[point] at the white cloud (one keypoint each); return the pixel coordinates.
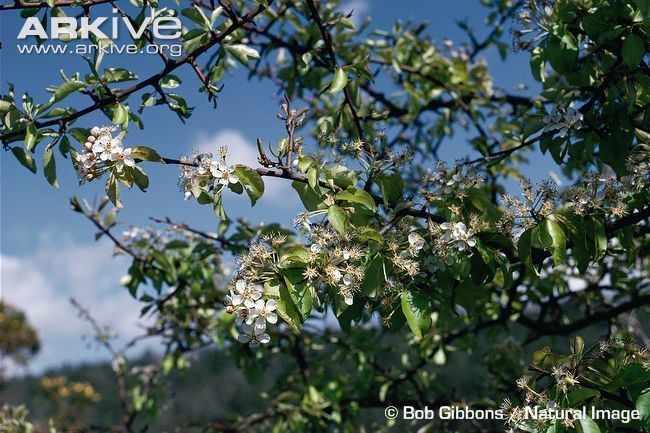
(41, 283)
(241, 150)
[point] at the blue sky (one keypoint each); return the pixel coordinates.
(47, 251)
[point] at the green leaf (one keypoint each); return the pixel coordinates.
(64, 146)
(581, 394)
(117, 75)
(479, 270)
(370, 234)
(633, 50)
(339, 81)
(113, 190)
(643, 405)
(374, 276)
(170, 82)
(5, 106)
(287, 309)
(140, 178)
(563, 53)
(417, 309)
(300, 293)
(600, 238)
(30, 137)
(304, 163)
(391, 186)
(24, 158)
(49, 167)
(242, 53)
(358, 196)
(196, 14)
(120, 115)
(237, 188)
(145, 153)
(557, 245)
(309, 198)
(524, 247)
(313, 175)
(65, 89)
(337, 218)
(587, 425)
(252, 182)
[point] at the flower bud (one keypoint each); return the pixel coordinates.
(91, 139)
(95, 131)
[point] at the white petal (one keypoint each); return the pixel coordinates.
(264, 338)
(243, 338)
(254, 344)
(271, 305)
(272, 318)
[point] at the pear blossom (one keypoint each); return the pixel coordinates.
(102, 151)
(222, 173)
(246, 294)
(416, 242)
(264, 311)
(253, 335)
(124, 158)
(458, 234)
(563, 120)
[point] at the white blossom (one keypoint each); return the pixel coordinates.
(458, 234)
(416, 242)
(253, 335)
(563, 120)
(223, 173)
(264, 311)
(124, 158)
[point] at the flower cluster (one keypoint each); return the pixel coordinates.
(638, 171)
(203, 173)
(143, 240)
(563, 120)
(458, 235)
(443, 182)
(451, 238)
(534, 20)
(102, 152)
(334, 261)
(253, 312)
(404, 255)
(60, 387)
(537, 202)
(597, 193)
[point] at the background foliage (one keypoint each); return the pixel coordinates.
(400, 261)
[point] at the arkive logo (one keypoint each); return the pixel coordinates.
(68, 28)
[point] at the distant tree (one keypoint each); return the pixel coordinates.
(422, 263)
(18, 339)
